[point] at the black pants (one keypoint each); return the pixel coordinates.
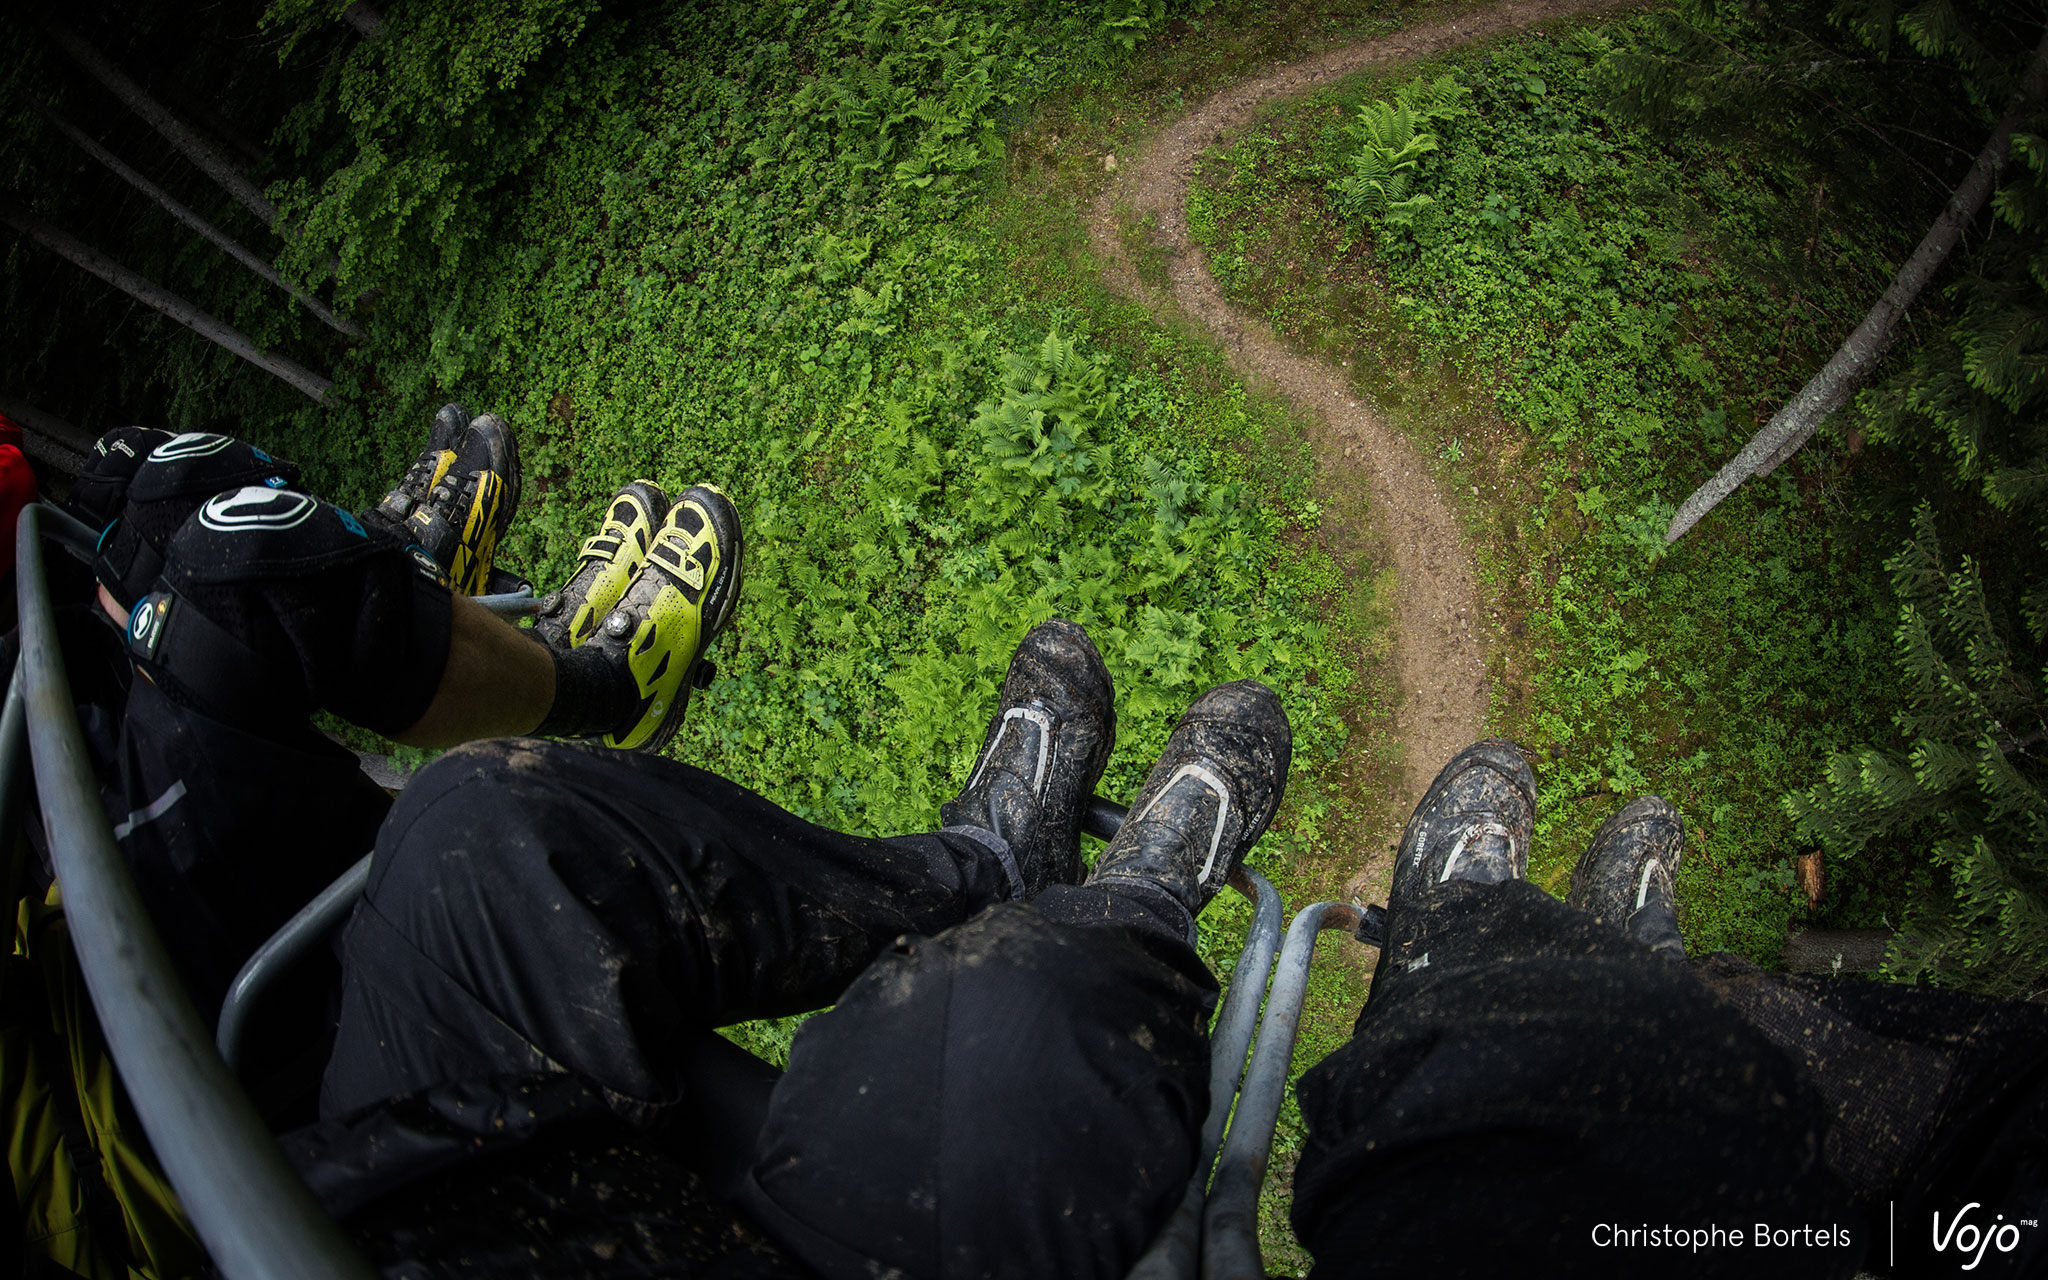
(233, 812)
(230, 832)
(1001, 1089)
(1530, 1092)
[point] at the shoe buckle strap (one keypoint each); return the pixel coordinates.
(601, 546)
(677, 561)
(441, 463)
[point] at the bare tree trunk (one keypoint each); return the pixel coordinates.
(1853, 364)
(226, 243)
(175, 131)
(150, 294)
(48, 437)
(365, 19)
(247, 152)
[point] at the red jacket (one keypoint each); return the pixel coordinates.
(17, 487)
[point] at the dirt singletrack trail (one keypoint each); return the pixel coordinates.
(1439, 656)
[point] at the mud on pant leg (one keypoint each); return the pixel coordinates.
(1020, 1095)
(1531, 1074)
(1938, 1100)
(541, 906)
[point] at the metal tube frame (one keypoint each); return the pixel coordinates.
(14, 767)
(247, 1204)
(512, 604)
(277, 957)
(70, 533)
(1176, 1250)
(1230, 1228)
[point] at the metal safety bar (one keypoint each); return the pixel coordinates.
(281, 954)
(1177, 1248)
(248, 1206)
(1230, 1230)
(13, 780)
(70, 533)
(512, 604)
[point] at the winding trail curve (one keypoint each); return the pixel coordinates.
(1439, 656)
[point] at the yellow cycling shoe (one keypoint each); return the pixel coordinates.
(457, 500)
(611, 559)
(682, 598)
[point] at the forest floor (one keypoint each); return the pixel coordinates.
(1439, 653)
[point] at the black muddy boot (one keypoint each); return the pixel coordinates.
(1474, 825)
(1207, 801)
(1628, 874)
(1041, 759)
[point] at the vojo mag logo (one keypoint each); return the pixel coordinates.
(1967, 1238)
(254, 507)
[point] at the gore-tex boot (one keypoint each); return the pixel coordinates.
(1209, 798)
(1473, 824)
(1628, 874)
(1040, 760)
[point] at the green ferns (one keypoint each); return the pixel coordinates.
(1973, 784)
(1038, 431)
(913, 103)
(1391, 142)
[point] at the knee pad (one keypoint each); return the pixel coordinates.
(101, 490)
(162, 492)
(272, 603)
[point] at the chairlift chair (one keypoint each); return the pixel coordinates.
(249, 1207)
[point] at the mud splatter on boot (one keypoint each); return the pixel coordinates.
(1628, 874)
(1041, 758)
(1208, 800)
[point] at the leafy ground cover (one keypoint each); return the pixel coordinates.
(732, 263)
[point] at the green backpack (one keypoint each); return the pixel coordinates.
(89, 1196)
